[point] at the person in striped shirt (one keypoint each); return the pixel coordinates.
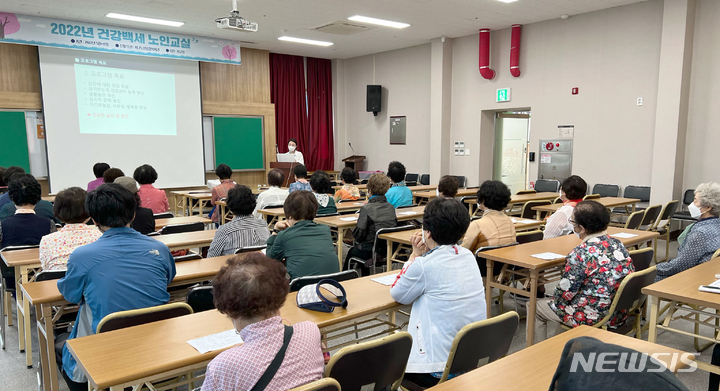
(244, 230)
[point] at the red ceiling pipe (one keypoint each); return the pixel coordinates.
(515, 50)
(484, 55)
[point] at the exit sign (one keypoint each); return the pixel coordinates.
(503, 95)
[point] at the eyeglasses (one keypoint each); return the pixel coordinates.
(571, 221)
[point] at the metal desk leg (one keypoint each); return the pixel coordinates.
(23, 316)
(341, 234)
(530, 332)
(46, 338)
(654, 313)
(389, 255)
(488, 289)
(184, 205)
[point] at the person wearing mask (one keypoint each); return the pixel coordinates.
(274, 196)
(376, 214)
(348, 191)
(448, 187)
(144, 221)
(703, 239)
(322, 188)
(219, 192)
(98, 169)
(122, 270)
(243, 230)
(592, 274)
(301, 182)
(292, 150)
(250, 290)
(305, 245)
(572, 191)
(55, 248)
(399, 194)
(150, 197)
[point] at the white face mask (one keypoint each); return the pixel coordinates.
(291, 148)
(437, 192)
(695, 212)
(422, 230)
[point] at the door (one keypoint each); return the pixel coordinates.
(511, 143)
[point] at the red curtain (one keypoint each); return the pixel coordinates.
(287, 92)
(320, 155)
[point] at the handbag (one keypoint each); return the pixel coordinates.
(310, 297)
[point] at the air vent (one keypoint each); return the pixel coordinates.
(341, 28)
(248, 42)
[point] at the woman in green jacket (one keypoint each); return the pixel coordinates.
(305, 245)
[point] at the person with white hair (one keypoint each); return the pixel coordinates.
(704, 237)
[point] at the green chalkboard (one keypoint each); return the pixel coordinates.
(13, 137)
(239, 142)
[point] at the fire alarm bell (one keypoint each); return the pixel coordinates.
(575, 91)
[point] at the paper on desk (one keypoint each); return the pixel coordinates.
(386, 280)
(623, 235)
(548, 256)
(408, 213)
(711, 288)
(353, 218)
(217, 341)
(524, 221)
(264, 251)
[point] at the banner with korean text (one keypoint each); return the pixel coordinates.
(32, 30)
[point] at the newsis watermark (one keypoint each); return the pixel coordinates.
(631, 362)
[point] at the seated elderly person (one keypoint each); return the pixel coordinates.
(572, 191)
(144, 221)
(301, 182)
(305, 245)
(593, 272)
(55, 248)
(244, 230)
(273, 196)
(442, 282)
(322, 188)
(24, 227)
(447, 187)
(494, 228)
(703, 239)
(348, 191)
(250, 290)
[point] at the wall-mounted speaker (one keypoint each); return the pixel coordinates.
(374, 99)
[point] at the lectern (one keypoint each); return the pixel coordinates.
(287, 169)
(355, 162)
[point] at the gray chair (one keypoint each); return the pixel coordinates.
(123, 319)
(164, 215)
(606, 190)
(650, 218)
(634, 220)
(523, 192)
(411, 179)
(667, 215)
(547, 185)
(326, 384)
(250, 249)
(425, 179)
(47, 275)
(527, 211)
(529, 236)
(486, 339)
(379, 250)
(180, 228)
(200, 298)
(380, 362)
(592, 197)
(684, 214)
(298, 283)
(462, 180)
(640, 192)
(642, 258)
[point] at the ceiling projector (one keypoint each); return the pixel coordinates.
(236, 22)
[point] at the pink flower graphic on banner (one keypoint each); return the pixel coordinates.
(229, 52)
(9, 24)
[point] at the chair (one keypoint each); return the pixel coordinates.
(650, 218)
(547, 185)
(7, 290)
(592, 197)
(357, 200)
(606, 190)
(523, 192)
(528, 212)
(411, 179)
(667, 215)
(326, 384)
(364, 182)
(189, 257)
(425, 179)
(380, 362)
(462, 180)
(407, 206)
(180, 228)
(487, 339)
(250, 249)
(328, 214)
(640, 192)
(629, 297)
(529, 236)
(557, 200)
(642, 258)
(379, 248)
(164, 215)
(47, 275)
(300, 282)
(200, 298)
(683, 214)
(122, 319)
(634, 220)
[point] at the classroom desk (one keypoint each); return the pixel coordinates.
(226, 214)
(334, 175)
(49, 198)
(402, 214)
(533, 368)
(278, 214)
(188, 200)
(45, 295)
(681, 290)
(422, 196)
(539, 270)
(161, 223)
(26, 261)
(516, 200)
(402, 238)
(159, 350)
(608, 202)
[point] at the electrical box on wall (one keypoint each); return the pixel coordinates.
(555, 159)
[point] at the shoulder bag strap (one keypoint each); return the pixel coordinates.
(276, 362)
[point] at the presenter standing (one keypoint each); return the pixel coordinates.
(292, 148)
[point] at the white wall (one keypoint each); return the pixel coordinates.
(703, 138)
(611, 55)
(405, 77)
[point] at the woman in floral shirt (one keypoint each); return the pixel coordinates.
(593, 272)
